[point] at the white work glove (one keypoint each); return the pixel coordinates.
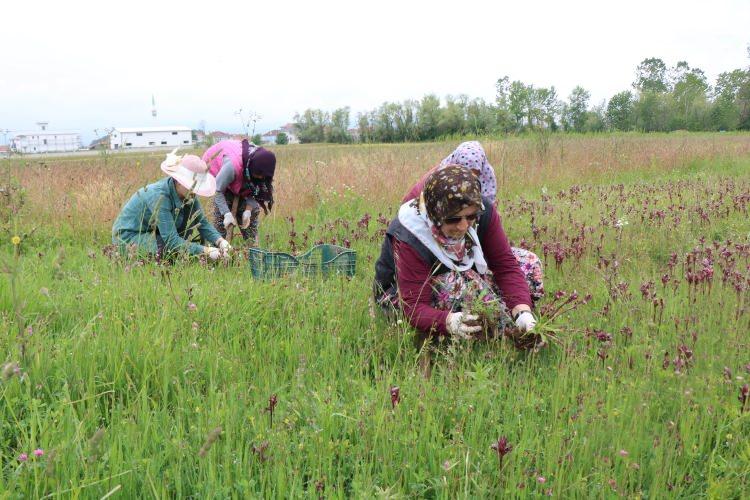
(247, 216)
(525, 321)
(224, 247)
(213, 253)
(456, 324)
(229, 219)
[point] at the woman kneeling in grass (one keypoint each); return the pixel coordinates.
(445, 254)
(162, 219)
(470, 154)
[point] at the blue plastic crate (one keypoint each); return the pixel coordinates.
(320, 260)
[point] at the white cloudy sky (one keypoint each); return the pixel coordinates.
(85, 65)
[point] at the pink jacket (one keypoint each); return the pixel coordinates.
(232, 149)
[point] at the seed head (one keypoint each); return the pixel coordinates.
(210, 440)
(395, 396)
(744, 393)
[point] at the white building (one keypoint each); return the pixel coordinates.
(271, 136)
(45, 141)
(150, 137)
(291, 132)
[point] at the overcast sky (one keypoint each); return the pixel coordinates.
(83, 65)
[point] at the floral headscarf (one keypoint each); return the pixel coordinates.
(470, 154)
(447, 192)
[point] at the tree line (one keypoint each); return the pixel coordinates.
(662, 99)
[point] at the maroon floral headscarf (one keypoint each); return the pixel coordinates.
(446, 192)
(449, 190)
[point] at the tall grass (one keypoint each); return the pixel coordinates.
(142, 380)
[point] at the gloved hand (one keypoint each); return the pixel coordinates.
(213, 253)
(229, 219)
(224, 247)
(457, 324)
(246, 218)
(525, 321)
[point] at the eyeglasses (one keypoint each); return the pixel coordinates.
(471, 218)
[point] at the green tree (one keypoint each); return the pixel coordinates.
(338, 129)
(731, 96)
(453, 116)
(549, 106)
(652, 112)
(405, 120)
(620, 110)
(282, 138)
(311, 125)
(382, 119)
(651, 76)
(578, 102)
(518, 102)
(363, 125)
(689, 87)
(428, 116)
(595, 118)
(504, 119)
(481, 117)
(256, 139)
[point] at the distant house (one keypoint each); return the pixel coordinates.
(4, 150)
(45, 141)
(270, 136)
(217, 136)
(150, 137)
(288, 129)
(291, 132)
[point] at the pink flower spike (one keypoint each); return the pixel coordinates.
(624, 453)
(23, 457)
(541, 479)
(192, 307)
(38, 452)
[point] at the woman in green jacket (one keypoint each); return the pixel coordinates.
(164, 218)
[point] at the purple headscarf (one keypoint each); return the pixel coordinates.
(470, 154)
(258, 161)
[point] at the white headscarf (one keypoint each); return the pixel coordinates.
(413, 217)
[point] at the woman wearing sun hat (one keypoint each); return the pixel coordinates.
(244, 185)
(435, 263)
(164, 218)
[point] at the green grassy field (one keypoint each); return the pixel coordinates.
(139, 380)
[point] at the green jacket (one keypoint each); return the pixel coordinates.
(157, 206)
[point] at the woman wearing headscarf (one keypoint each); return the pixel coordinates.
(435, 263)
(244, 179)
(470, 154)
(163, 218)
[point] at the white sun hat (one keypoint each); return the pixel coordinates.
(191, 172)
